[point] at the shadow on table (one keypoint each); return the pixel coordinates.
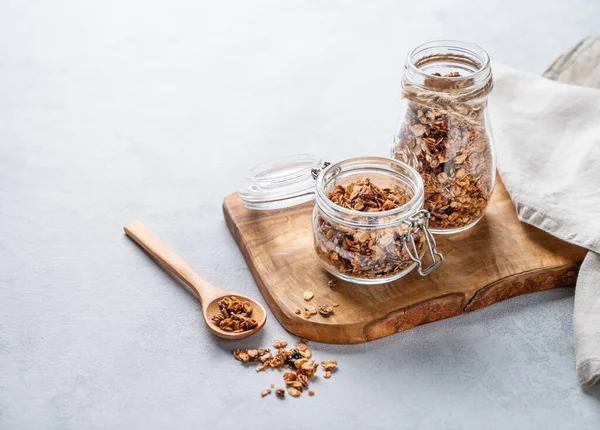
(593, 391)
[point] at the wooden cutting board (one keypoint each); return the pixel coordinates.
(497, 259)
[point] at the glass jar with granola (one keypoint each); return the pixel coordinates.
(445, 133)
(368, 222)
(369, 225)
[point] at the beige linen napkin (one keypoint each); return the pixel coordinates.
(547, 137)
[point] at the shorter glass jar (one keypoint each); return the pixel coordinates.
(356, 246)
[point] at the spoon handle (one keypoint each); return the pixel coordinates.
(170, 261)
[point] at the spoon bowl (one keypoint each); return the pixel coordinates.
(208, 294)
(212, 308)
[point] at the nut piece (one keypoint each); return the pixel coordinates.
(302, 345)
(308, 294)
(298, 311)
(294, 392)
(302, 378)
(279, 344)
(311, 309)
(326, 374)
(280, 393)
(241, 355)
(298, 363)
(309, 368)
(289, 377)
(325, 310)
(311, 393)
(306, 353)
(297, 385)
(265, 393)
(329, 364)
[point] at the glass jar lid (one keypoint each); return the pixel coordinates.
(282, 182)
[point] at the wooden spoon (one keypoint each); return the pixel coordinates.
(208, 294)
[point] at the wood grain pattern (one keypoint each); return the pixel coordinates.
(497, 259)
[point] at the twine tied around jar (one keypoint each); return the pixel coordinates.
(452, 96)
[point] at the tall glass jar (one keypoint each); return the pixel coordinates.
(445, 133)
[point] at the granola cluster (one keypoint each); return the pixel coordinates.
(364, 252)
(451, 150)
(234, 315)
(365, 196)
(296, 359)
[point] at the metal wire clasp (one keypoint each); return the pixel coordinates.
(315, 172)
(416, 223)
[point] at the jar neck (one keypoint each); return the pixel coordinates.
(449, 66)
(394, 171)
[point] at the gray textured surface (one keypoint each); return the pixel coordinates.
(120, 110)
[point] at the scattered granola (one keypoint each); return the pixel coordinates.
(325, 310)
(234, 315)
(450, 147)
(306, 314)
(332, 283)
(335, 305)
(296, 359)
(308, 294)
(360, 251)
(298, 311)
(311, 393)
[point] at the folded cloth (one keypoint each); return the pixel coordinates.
(547, 138)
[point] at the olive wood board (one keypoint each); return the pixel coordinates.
(497, 259)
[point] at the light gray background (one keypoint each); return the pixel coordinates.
(118, 110)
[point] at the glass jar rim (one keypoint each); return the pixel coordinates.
(365, 219)
(482, 74)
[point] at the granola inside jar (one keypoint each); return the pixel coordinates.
(369, 225)
(445, 132)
